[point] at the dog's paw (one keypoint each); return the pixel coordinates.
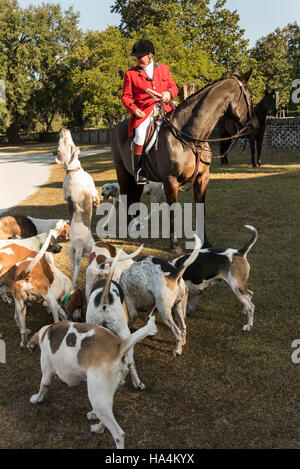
(96, 201)
(91, 415)
(98, 428)
(246, 327)
(35, 399)
(140, 386)
(177, 351)
(24, 340)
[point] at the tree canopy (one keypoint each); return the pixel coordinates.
(53, 72)
(35, 44)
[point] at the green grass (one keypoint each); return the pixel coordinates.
(229, 389)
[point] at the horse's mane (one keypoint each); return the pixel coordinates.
(187, 102)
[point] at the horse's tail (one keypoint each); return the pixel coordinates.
(192, 257)
(244, 250)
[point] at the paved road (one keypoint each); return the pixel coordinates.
(21, 174)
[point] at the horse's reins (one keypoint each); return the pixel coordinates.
(192, 142)
(183, 136)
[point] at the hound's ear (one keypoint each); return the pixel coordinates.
(75, 152)
(245, 76)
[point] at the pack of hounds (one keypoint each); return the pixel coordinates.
(90, 339)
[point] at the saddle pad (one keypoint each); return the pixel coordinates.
(153, 138)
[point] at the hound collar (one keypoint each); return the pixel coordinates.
(41, 244)
(63, 302)
(73, 170)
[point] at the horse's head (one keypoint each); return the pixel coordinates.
(241, 107)
(270, 103)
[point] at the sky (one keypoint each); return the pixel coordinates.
(257, 17)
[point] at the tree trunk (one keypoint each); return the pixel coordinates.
(12, 132)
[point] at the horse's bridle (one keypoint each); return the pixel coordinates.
(184, 138)
(244, 93)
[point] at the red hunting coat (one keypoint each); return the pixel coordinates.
(134, 91)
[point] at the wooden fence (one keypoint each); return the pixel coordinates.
(283, 133)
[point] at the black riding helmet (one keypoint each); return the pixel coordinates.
(142, 47)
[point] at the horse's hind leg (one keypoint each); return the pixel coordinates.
(200, 188)
(259, 141)
(171, 187)
(252, 147)
(223, 149)
(128, 186)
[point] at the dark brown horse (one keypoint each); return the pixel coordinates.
(174, 154)
(227, 127)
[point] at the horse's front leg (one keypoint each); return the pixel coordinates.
(252, 147)
(128, 187)
(223, 149)
(171, 187)
(259, 141)
(200, 188)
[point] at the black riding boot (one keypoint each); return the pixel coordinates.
(140, 178)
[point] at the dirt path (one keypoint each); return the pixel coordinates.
(21, 174)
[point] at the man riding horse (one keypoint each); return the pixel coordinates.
(147, 74)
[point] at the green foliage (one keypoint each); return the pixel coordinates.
(223, 37)
(292, 34)
(54, 34)
(34, 47)
(55, 74)
(98, 66)
(188, 64)
(272, 55)
(102, 58)
(215, 31)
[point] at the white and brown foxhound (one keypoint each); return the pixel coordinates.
(77, 352)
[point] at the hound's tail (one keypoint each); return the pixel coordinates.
(192, 257)
(41, 253)
(124, 257)
(244, 251)
(140, 334)
(37, 339)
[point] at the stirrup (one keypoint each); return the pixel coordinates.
(140, 178)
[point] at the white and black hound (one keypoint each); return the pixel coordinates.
(213, 265)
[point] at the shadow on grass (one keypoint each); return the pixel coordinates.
(40, 211)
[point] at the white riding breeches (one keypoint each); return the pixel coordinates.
(141, 131)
